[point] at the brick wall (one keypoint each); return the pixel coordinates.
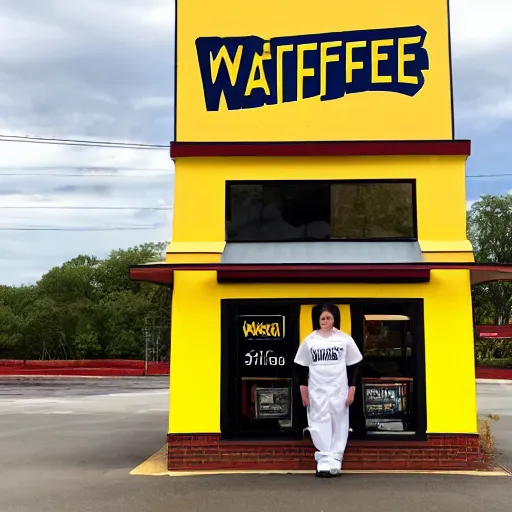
(208, 452)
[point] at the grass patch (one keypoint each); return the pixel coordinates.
(487, 441)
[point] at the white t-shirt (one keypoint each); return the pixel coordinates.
(328, 358)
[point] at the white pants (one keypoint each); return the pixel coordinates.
(329, 427)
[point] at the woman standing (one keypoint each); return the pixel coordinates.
(322, 361)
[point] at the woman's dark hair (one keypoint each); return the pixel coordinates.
(319, 309)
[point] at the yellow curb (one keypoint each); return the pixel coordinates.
(156, 465)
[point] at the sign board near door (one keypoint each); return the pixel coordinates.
(262, 327)
(262, 347)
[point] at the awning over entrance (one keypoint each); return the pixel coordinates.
(488, 273)
(288, 273)
(163, 273)
(335, 252)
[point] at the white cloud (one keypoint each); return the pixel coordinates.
(490, 108)
(104, 70)
(482, 63)
(38, 184)
(153, 102)
(479, 27)
(90, 70)
(469, 204)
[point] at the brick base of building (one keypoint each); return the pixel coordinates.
(202, 452)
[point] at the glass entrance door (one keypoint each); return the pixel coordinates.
(260, 393)
(390, 390)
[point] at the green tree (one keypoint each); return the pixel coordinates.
(113, 271)
(86, 308)
(490, 232)
(15, 342)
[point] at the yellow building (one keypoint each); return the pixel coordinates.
(315, 162)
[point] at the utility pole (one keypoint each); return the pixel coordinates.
(157, 358)
(146, 338)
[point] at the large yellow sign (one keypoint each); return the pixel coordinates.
(297, 70)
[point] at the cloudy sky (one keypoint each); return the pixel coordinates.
(103, 70)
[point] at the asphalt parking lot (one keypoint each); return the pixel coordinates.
(69, 445)
(496, 399)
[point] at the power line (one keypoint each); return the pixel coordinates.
(50, 228)
(487, 175)
(32, 207)
(112, 146)
(79, 142)
(120, 175)
(121, 145)
(131, 145)
(84, 171)
(53, 168)
(45, 174)
(57, 139)
(158, 173)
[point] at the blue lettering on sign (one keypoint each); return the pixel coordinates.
(252, 72)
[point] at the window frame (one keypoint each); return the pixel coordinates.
(410, 181)
(416, 307)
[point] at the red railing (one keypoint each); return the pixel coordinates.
(92, 367)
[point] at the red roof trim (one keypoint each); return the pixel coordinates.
(308, 275)
(384, 273)
(321, 148)
(163, 273)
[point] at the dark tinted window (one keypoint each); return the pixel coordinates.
(319, 210)
(372, 210)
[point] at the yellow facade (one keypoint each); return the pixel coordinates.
(440, 191)
(450, 374)
(450, 377)
(393, 83)
(396, 54)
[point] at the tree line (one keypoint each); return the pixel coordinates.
(89, 308)
(489, 222)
